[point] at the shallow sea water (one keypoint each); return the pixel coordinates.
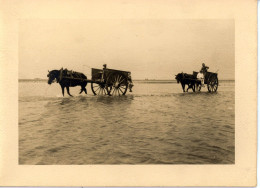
(156, 124)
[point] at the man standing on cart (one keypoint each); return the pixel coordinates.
(202, 73)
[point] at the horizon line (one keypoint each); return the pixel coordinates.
(41, 79)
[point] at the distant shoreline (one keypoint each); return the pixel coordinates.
(137, 81)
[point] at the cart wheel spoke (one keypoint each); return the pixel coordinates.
(118, 82)
(123, 86)
(113, 91)
(118, 78)
(213, 83)
(121, 90)
(122, 81)
(98, 89)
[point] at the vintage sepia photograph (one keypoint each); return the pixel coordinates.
(126, 91)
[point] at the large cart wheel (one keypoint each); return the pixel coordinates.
(213, 84)
(99, 89)
(117, 84)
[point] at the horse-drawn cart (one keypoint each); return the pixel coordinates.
(210, 79)
(103, 82)
(110, 81)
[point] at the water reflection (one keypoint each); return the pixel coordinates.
(183, 127)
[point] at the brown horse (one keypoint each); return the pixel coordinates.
(68, 79)
(187, 79)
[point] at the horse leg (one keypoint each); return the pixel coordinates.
(81, 90)
(85, 89)
(62, 89)
(188, 87)
(68, 91)
(193, 87)
(183, 87)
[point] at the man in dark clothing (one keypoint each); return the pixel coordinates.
(204, 69)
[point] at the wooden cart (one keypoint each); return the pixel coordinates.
(106, 81)
(110, 82)
(211, 79)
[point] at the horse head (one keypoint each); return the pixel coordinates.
(52, 75)
(179, 77)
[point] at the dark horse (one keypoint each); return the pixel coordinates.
(68, 79)
(186, 79)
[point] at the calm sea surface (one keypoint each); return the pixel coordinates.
(156, 124)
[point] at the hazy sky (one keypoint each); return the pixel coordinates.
(149, 48)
